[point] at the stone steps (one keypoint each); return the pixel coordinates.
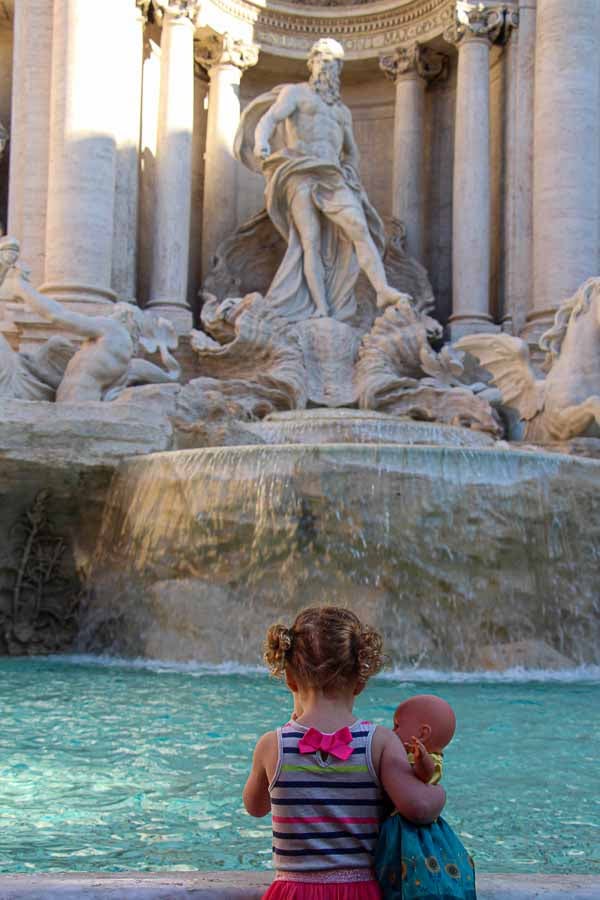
(251, 886)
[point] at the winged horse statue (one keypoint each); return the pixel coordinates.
(566, 403)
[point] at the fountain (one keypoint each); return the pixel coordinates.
(329, 447)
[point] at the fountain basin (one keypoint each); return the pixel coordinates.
(451, 552)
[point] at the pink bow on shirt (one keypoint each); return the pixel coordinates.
(335, 744)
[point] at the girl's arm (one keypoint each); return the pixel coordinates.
(419, 803)
(256, 792)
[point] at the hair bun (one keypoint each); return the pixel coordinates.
(277, 644)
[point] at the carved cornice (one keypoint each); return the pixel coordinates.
(481, 20)
(225, 51)
(365, 31)
(414, 60)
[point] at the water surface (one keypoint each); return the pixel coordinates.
(110, 767)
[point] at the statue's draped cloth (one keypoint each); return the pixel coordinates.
(334, 189)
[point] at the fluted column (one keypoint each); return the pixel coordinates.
(171, 243)
(30, 124)
(81, 176)
(129, 37)
(225, 63)
(411, 68)
(477, 25)
(566, 209)
(518, 219)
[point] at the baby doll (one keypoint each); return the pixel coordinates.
(428, 861)
(425, 724)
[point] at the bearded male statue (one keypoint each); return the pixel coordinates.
(300, 137)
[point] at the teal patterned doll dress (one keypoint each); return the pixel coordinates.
(422, 862)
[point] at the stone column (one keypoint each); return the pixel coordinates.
(129, 37)
(171, 243)
(30, 124)
(566, 152)
(81, 178)
(476, 27)
(225, 63)
(411, 68)
(518, 220)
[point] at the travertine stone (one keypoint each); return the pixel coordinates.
(566, 211)
(129, 37)
(518, 220)
(30, 124)
(81, 178)
(225, 60)
(411, 68)
(173, 170)
(476, 26)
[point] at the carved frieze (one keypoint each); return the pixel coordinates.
(363, 33)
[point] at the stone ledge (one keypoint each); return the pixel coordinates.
(251, 886)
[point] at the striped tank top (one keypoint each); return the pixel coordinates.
(325, 811)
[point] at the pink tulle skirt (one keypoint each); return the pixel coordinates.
(323, 890)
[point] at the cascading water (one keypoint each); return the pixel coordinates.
(446, 549)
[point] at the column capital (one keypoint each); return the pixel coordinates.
(480, 21)
(226, 50)
(414, 60)
(173, 9)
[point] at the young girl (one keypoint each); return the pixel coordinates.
(323, 775)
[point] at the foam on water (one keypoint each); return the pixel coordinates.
(405, 675)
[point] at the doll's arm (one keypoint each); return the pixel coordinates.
(424, 765)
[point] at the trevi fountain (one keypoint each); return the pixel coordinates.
(300, 303)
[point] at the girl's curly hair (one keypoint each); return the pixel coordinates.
(327, 647)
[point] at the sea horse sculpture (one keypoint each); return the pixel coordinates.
(565, 404)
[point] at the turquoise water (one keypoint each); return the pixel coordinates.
(112, 767)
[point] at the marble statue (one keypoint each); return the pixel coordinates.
(29, 376)
(106, 362)
(565, 404)
(300, 137)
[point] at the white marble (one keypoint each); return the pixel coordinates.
(566, 211)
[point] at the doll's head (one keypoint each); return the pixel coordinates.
(327, 648)
(428, 718)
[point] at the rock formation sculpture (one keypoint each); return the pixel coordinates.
(107, 362)
(565, 404)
